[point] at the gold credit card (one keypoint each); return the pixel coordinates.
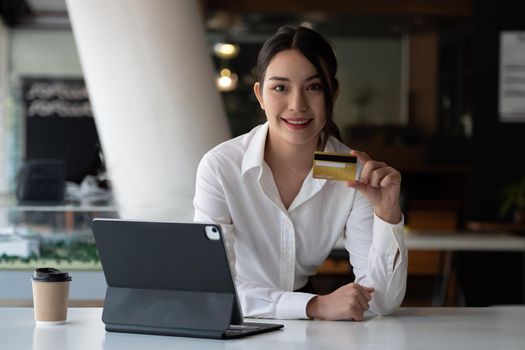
(335, 166)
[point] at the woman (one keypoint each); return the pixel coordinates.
(279, 222)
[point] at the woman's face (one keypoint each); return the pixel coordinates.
(292, 98)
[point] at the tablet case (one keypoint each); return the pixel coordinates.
(167, 278)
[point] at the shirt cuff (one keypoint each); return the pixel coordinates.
(292, 305)
(388, 237)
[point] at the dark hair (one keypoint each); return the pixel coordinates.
(318, 51)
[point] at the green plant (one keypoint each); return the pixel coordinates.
(513, 196)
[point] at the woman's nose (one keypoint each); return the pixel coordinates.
(297, 102)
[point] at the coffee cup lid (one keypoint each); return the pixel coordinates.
(49, 274)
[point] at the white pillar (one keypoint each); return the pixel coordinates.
(150, 79)
(4, 72)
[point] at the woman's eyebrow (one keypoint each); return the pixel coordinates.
(279, 78)
(315, 76)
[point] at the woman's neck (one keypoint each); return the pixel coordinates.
(279, 153)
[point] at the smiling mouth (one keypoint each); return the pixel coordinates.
(297, 122)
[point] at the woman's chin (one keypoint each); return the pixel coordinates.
(304, 139)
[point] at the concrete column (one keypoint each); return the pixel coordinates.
(4, 61)
(4, 72)
(150, 79)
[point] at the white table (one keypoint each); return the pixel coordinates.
(459, 240)
(409, 328)
(464, 241)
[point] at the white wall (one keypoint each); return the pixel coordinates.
(44, 53)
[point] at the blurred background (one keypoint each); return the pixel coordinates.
(436, 88)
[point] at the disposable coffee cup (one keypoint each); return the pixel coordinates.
(50, 295)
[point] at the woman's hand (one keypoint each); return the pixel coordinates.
(381, 185)
(349, 302)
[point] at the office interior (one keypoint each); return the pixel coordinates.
(423, 88)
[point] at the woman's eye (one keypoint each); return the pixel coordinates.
(279, 88)
(315, 86)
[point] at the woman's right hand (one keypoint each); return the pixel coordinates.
(349, 302)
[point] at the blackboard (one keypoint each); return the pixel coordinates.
(59, 124)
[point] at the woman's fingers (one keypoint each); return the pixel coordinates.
(393, 177)
(357, 315)
(349, 302)
(358, 185)
(366, 292)
(369, 290)
(359, 297)
(362, 156)
(378, 174)
(375, 173)
(380, 184)
(363, 303)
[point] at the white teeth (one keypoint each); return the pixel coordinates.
(295, 122)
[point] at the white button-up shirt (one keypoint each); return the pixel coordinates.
(273, 250)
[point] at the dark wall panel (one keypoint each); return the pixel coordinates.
(497, 148)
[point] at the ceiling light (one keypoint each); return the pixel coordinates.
(226, 81)
(226, 50)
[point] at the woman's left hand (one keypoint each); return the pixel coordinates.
(381, 185)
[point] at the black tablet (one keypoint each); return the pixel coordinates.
(170, 279)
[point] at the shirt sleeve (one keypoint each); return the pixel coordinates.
(373, 245)
(266, 302)
(210, 206)
(256, 299)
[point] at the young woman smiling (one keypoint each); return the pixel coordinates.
(279, 222)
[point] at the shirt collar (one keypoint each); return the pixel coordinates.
(254, 156)
(310, 185)
(329, 147)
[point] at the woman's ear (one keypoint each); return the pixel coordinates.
(258, 93)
